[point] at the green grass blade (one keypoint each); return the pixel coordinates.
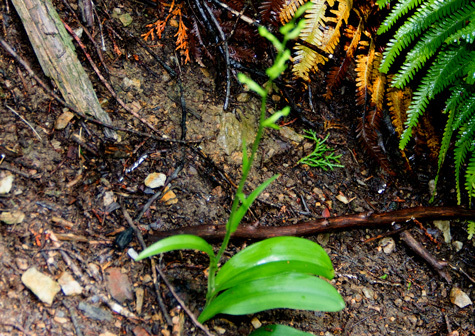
(178, 242)
(288, 290)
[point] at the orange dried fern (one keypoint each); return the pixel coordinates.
(182, 40)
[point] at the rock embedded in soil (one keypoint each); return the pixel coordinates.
(459, 298)
(6, 182)
(95, 313)
(15, 217)
(69, 285)
(63, 120)
(41, 285)
(118, 285)
(155, 180)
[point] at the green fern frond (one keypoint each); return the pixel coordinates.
(400, 9)
(465, 34)
(444, 147)
(470, 179)
(418, 105)
(470, 69)
(428, 45)
(465, 107)
(445, 69)
(425, 17)
(382, 3)
(461, 150)
(470, 229)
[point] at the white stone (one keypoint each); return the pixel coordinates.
(459, 298)
(69, 285)
(6, 182)
(155, 180)
(41, 285)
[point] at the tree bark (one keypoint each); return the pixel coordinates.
(57, 57)
(322, 224)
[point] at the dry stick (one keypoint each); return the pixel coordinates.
(106, 84)
(182, 304)
(152, 261)
(424, 254)
(80, 114)
(226, 54)
(323, 224)
(78, 21)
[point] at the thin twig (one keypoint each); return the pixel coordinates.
(235, 12)
(226, 55)
(152, 261)
(182, 304)
(25, 121)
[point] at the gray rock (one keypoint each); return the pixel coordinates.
(94, 312)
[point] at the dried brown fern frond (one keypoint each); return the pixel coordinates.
(337, 73)
(398, 102)
(269, 11)
(288, 10)
(378, 83)
(364, 73)
(322, 29)
(333, 34)
(427, 131)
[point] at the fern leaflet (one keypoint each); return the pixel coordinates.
(401, 8)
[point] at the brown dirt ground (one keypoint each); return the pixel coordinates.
(54, 179)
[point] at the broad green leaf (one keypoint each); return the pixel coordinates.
(247, 202)
(287, 290)
(270, 257)
(278, 330)
(178, 242)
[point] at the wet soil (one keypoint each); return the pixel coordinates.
(78, 194)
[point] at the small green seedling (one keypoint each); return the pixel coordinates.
(318, 158)
(280, 272)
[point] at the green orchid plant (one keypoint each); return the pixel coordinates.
(280, 272)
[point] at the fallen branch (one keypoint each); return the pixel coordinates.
(320, 225)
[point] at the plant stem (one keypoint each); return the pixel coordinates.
(240, 191)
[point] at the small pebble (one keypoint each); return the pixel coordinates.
(118, 285)
(95, 313)
(459, 298)
(388, 244)
(256, 323)
(140, 331)
(220, 330)
(15, 217)
(155, 180)
(69, 285)
(41, 285)
(21, 263)
(6, 182)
